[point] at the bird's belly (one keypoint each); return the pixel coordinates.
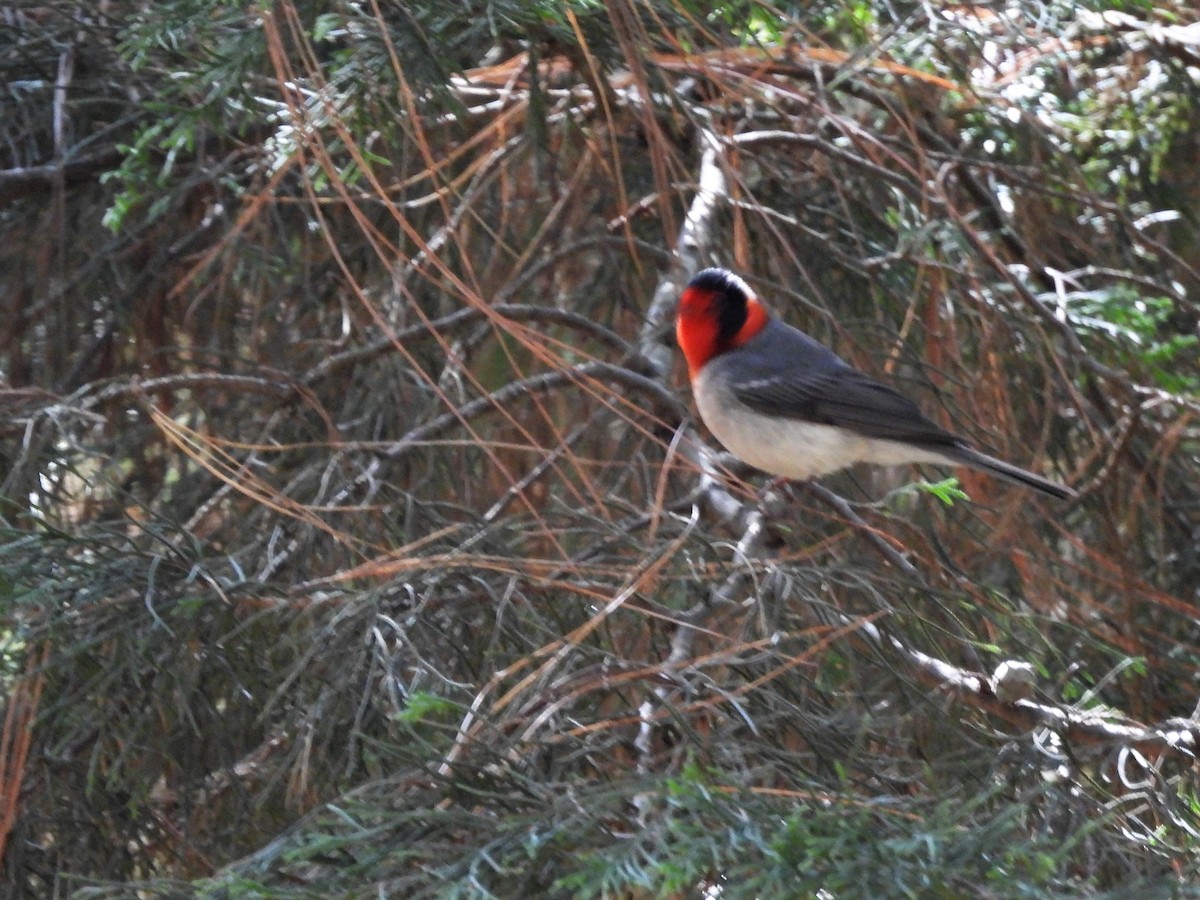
(789, 448)
(794, 448)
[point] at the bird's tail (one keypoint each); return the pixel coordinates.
(970, 457)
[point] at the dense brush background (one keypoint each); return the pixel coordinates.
(355, 538)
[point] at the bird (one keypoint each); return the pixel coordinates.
(785, 404)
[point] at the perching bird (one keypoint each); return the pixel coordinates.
(785, 404)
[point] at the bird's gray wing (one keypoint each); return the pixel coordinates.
(846, 398)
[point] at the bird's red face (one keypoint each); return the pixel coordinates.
(717, 312)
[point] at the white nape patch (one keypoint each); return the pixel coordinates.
(789, 447)
(740, 283)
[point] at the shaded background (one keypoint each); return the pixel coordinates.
(355, 538)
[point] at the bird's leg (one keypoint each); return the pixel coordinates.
(775, 484)
(768, 496)
(761, 535)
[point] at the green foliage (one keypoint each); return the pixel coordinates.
(1126, 136)
(200, 64)
(1136, 7)
(946, 490)
(852, 24)
(1143, 327)
(694, 833)
(421, 706)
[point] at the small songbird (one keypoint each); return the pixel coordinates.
(783, 403)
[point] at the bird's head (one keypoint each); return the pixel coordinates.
(717, 312)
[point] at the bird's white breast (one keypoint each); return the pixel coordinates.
(791, 448)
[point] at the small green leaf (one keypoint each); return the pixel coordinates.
(946, 490)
